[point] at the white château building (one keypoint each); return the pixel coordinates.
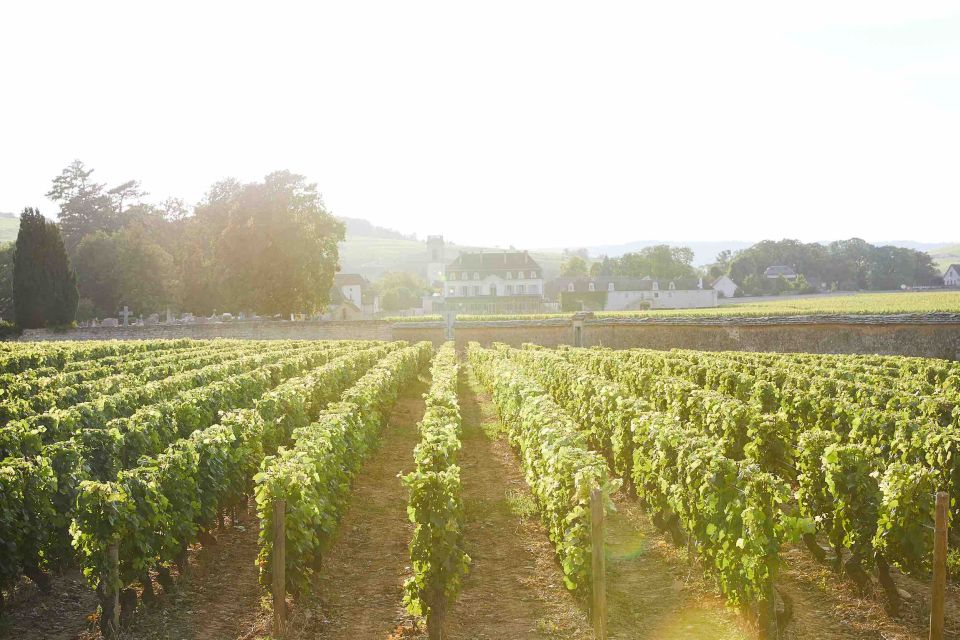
(493, 282)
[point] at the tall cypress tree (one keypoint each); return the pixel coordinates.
(44, 286)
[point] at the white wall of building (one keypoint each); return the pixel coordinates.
(951, 278)
(352, 293)
(726, 286)
(493, 285)
(662, 299)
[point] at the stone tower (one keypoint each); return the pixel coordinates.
(436, 262)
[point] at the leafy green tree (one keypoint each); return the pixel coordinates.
(574, 267)
(400, 290)
(661, 262)
(269, 247)
(97, 277)
(129, 191)
(44, 286)
(85, 207)
(6, 281)
(126, 268)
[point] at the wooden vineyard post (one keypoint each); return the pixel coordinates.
(599, 604)
(939, 568)
(113, 560)
(279, 568)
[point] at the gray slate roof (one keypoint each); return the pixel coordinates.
(493, 261)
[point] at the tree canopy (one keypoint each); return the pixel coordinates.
(267, 247)
(852, 264)
(44, 286)
(661, 262)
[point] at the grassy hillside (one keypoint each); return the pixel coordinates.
(945, 256)
(8, 228)
(373, 256)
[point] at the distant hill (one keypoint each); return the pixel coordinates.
(9, 226)
(703, 252)
(365, 228)
(371, 257)
(945, 256)
(706, 252)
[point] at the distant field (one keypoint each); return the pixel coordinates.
(8, 229)
(854, 303)
(859, 303)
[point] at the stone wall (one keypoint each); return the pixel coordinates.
(282, 330)
(930, 335)
(933, 340)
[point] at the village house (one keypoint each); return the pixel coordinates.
(724, 286)
(780, 271)
(613, 293)
(952, 276)
(351, 298)
(493, 282)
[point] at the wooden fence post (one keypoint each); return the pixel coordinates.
(113, 593)
(279, 568)
(599, 608)
(939, 568)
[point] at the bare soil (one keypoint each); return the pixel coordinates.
(515, 587)
(64, 613)
(829, 606)
(359, 590)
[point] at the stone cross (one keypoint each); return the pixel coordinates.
(125, 314)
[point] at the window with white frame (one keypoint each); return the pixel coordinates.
(519, 275)
(509, 275)
(519, 289)
(570, 287)
(453, 275)
(508, 289)
(476, 275)
(592, 287)
(609, 286)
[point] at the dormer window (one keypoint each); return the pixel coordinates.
(570, 287)
(656, 285)
(533, 274)
(673, 286)
(592, 287)
(609, 286)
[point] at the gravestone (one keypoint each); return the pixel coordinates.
(125, 314)
(152, 319)
(110, 322)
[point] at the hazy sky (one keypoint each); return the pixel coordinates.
(527, 123)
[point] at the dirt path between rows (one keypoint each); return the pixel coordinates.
(515, 587)
(652, 592)
(359, 590)
(219, 598)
